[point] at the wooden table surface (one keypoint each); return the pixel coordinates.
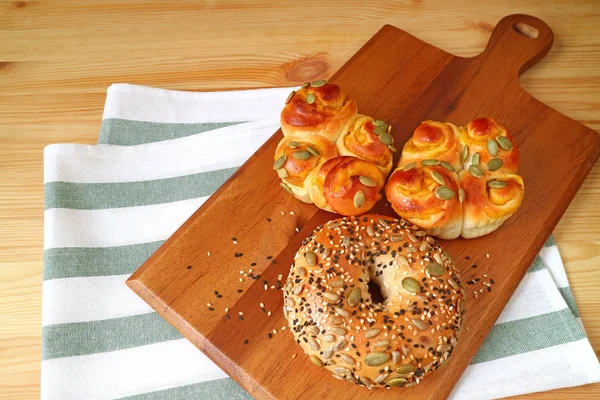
(58, 58)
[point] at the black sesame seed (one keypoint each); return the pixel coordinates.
(227, 316)
(474, 266)
(268, 219)
(189, 267)
(467, 258)
(240, 291)
(246, 341)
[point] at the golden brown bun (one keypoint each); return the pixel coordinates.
(476, 136)
(332, 316)
(412, 194)
(433, 140)
(360, 139)
(326, 116)
(485, 207)
(299, 161)
(339, 185)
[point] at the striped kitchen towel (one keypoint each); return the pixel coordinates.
(162, 153)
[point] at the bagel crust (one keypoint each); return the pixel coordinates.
(332, 316)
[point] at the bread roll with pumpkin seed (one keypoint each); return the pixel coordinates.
(428, 196)
(370, 140)
(379, 343)
(296, 157)
(489, 201)
(487, 144)
(346, 185)
(433, 140)
(317, 109)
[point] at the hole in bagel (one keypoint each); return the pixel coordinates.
(375, 292)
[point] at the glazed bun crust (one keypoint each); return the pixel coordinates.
(433, 140)
(326, 116)
(332, 316)
(476, 137)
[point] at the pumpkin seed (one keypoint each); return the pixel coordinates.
(311, 258)
(359, 199)
(494, 164)
(342, 312)
(286, 188)
(447, 165)
(381, 378)
(409, 166)
(314, 330)
(438, 178)
(301, 271)
(411, 285)
(464, 153)
(318, 83)
(430, 161)
(327, 354)
(406, 369)
(339, 331)
(392, 148)
(436, 269)
(279, 162)
(292, 144)
(302, 154)
(341, 370)
(420, 325)
(331, 296)
(317, 361)
(461, 195)
(310, 98)
(371, 333)
(289, 98)
(504, 143)
(382, 343)
(492, 147)
(328, 338)
(497, 184)
(396, 382)
(448, 256)
(444, 193)
(305, 85)
(354, 297)
(312, 151)
(386, 138)
(367, 181)
(395, 357)
(347, 359)
(340, 345)
(376, 358)
(475, 160)
(379, 122)
(475, 171)
(282, 173)
(314, 345)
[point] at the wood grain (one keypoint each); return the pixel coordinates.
(404, 81)
(57, 58)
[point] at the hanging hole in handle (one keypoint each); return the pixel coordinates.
(526, 30)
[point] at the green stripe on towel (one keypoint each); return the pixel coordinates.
(219, 389)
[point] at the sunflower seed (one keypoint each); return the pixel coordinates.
(340, 345)
(314, 345)
(282, 173)
(420, 325)
(279, 162)
(327, 354)
(405, 351)
(312, 151)
(292, 144)
(406, 369)
(325, 253)
(395, 357)
(412, 237)
(427, 367)
(289, 98)
(436, 269)
(290, 302)
(317, 361)
(475, 160)
(328, 338)
(396, 382)
(302, 154)
(305, 85)
(430, 161)
(301, 271)
(442, 348)
(347, 359)
(298, 290)
(492, 147)
(386, 138)
(504, 143)
(475, 171)
(337, 283)
(411, 285)
(394, 238)
(461, 195)
(494, 164)
(409, 166)
(402, 260)
(447, 165)
(497, 184)
(318, 83)
(336, 321)
(438, 178)
(339, 331)
(367, 181)
(376, 358)
(453, 341)
(453, 283)
(314, 330)
(359, 199)
(382, 343)
(381, 378)
(286, 188)
(310, 98)
(331, 296)
(370, 230)
(371, 333)
(382, 222)
(311, 258)
(341, 370)
(354, 297)
(464, 153)
(423, 246)
(346, 241)
(444, 193)
(342, 312)
(438, 258)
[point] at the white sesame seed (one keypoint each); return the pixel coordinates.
(262, 305)
(208, 253)
(226, 309)
(208, 305)
(269, 313)
(241, 313)
(487, 255)
(241, 279)
(292, 213)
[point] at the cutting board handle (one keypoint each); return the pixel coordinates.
(519, 41)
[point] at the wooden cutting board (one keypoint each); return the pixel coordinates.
(400, 79)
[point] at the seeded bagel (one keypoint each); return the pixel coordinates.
(333, 317)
